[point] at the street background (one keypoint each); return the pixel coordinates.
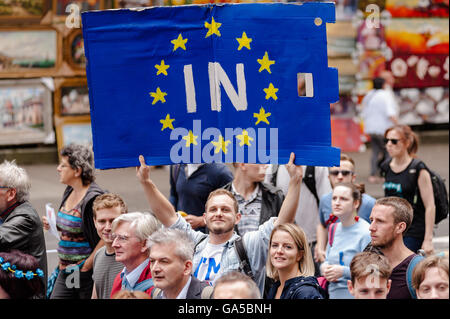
(47, 189)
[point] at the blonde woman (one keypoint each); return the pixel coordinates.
(291, 265)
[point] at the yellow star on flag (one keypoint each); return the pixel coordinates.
(244, 41)
(261, 116)
(271, 92)
(244, 138)
(221, 145)
(179, 43)
(265, 63)
(190, 139)
(167, 122)
(158, 96)
(162, 68)
(213, 28)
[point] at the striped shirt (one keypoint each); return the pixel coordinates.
(250, 210)
(73, 247)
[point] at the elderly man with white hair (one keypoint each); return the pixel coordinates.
(129, 233)
(20, 225)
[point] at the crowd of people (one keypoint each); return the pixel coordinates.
(260, 232)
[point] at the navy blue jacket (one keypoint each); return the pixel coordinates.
(299, 288)
(190, 194)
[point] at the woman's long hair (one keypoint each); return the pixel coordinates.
(305, 264)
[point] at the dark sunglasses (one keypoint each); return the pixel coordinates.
(343, 172)
(392, 140)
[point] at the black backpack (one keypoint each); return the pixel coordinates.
(309, 179)
(439, 191)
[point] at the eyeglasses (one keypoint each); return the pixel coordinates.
(4, 187)
(120, 238)
(344, 172)
(394, 141)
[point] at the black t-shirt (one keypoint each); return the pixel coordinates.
(404, 185)
(399, 286)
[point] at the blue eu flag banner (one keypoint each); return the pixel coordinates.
(213, 83)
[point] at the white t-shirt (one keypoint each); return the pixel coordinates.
(378, 107)
(209, 267)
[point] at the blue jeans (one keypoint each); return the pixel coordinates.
(413, 243)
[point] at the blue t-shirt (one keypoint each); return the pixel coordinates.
(364, 210)
(348, 241)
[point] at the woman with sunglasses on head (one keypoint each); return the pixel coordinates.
(291, 265)
(79, 240)
(347, 237)
(407, 177)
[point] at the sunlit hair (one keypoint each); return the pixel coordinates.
(369, 263)
(222, 191)
(15, 177)
(108, 200)
(144, 224)
(402, 209)
(418, 275)
(305, 264)
(236, 276)
(184, 246)
(80, 156)
(346, 157)
(407, 135)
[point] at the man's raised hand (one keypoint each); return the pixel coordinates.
(143, 171)
(295, 171)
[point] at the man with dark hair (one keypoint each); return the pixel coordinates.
(379, 113)
(390, 218)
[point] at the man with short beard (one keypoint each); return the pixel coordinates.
(215, 253)
(390, 218)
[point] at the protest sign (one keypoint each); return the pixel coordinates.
(213, 83)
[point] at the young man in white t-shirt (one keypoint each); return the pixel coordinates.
(215, 253)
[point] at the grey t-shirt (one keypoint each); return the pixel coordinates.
(105, 270)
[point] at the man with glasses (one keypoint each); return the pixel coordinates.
(345, 173)
(129, 234)
(20, 225)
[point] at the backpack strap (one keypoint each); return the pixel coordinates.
(310, 181)
(244, 264)
(207, 292)
(331, 232)
(199, 242)
(414, 165)
(409, 271)
(273, 179)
